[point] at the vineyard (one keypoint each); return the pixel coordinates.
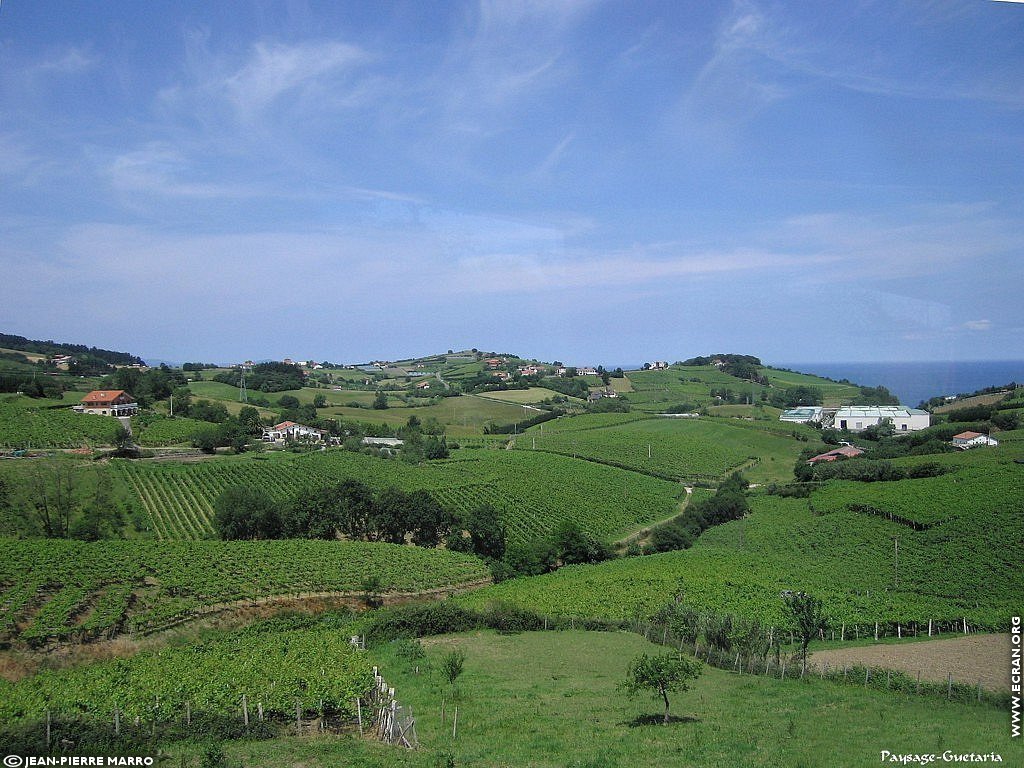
(316, 671)
(24, 426)
(678, 449)
(965, 568)
(164, 431)
(533, 492)
(59, 589)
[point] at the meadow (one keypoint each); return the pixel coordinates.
(563, 709)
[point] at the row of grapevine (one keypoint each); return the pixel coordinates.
(533, 492)
(64, 589)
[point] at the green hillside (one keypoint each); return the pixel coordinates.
(25, 424)
(965, 566)
(533, 492)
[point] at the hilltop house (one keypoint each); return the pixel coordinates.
(969, 439)
(108, 402)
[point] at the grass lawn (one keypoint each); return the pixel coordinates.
(549, 699)
(531, 395)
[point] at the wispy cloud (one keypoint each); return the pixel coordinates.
(978, 325)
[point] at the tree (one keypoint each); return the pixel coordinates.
(380, 402)
(806, 613)
(249, 418)
(486, 532)
(240, 512)
(451, 665)
(319, 400)
(660, 674)
(181, 401)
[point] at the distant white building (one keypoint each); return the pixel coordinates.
(967, 440)
(657, 365)
(809, 414)
(288, 430)
(854, 418)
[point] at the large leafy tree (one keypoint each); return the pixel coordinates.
(808, 617)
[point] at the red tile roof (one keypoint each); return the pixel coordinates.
(103, 395)
(967, 435)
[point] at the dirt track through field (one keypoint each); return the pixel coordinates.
(968, 659)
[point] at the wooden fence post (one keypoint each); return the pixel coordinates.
(949, 685)
(245, 710)
(359, 715)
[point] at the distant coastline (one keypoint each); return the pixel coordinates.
(914, 382)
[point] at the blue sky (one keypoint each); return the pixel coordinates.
(588, 181)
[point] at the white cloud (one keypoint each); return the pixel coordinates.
(978, 325)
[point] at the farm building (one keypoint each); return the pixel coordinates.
(967, 440)
(288, 430)
(108, 402)
(387, 442)
(857, 417)
(842, 452)
(806, 414)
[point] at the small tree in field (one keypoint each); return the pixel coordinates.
(806, 612)
(451, 665)
(660, 674)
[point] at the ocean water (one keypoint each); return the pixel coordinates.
(916, 382)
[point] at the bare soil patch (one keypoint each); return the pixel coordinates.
(969, 659)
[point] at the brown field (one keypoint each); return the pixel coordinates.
(968, 659)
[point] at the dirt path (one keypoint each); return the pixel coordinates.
(641, 535)
(969, 659)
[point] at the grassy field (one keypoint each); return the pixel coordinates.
(526, 396)
(562, 709)
(606, 501)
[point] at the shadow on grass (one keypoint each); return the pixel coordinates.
(641, 721)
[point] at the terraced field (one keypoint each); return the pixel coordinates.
(603, 500)
(60, 589)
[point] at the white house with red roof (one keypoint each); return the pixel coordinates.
(970, 439)
(288, 431)
(108, 402)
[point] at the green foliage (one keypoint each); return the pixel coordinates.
(143, 585)
(533, 492)
(807, 617)
(243, 513)
(265, 377)
(211, 677)
(661, 675)
(451, 665)
(26, 426)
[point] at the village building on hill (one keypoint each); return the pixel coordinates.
(854, 418)
(108, 402)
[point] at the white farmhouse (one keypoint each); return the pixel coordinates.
(857, 417)
(967, 440)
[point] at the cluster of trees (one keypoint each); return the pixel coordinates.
(266, 377)
(57, 498)
(728, 503)
(864, 470)
(745, 367)
(231, 431)
(875, 396)
(198, 366)
(30, 384)
(794, 397)
(567, 545)
(991, 413)
(105, 357)
(348, 509)
(520, 426)
(146, 386)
